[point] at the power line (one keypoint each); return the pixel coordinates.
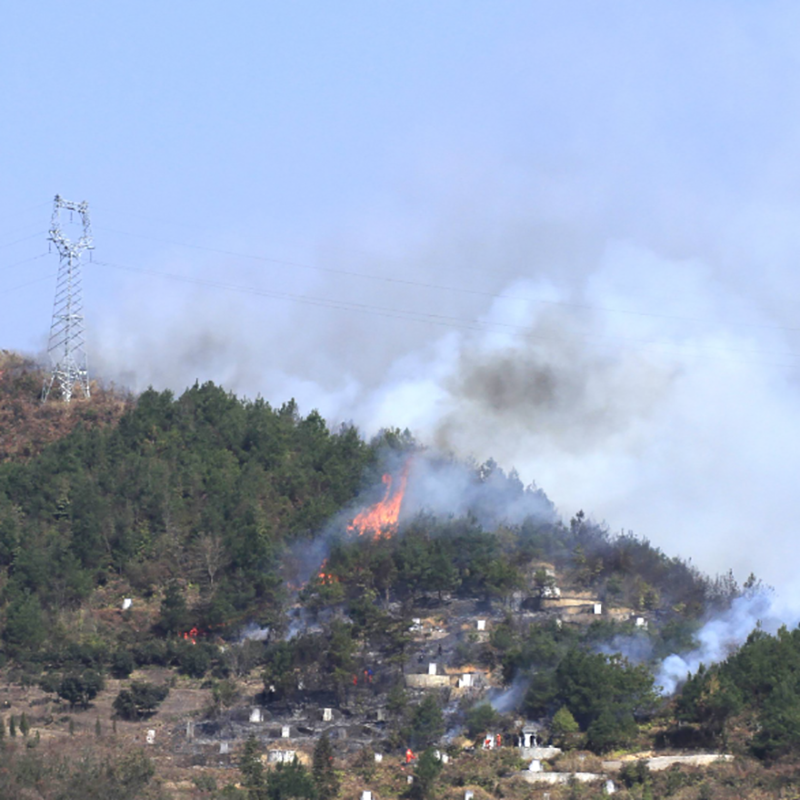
(24, 261)
(24, 238)
(22, 211)
(441, 319)
(345, 305)
(447, 288)
(12, 231)
(29, 283)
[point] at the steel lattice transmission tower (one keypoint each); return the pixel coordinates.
(66, 346)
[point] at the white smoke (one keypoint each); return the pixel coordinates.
(722, 635)
(621, 323)
(508, 699)
(686, 432)
(252, 632)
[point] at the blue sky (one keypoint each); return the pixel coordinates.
(422, 212)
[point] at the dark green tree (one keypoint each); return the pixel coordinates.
(426, 770)
(591, 683)
(174, 616)
(253, 777)
(563, 726)
(80, 688)
(25, 628)
(325, 780)
(480, 719)
(139, 701)
(610, 730)
(779, 724)
(288, 781)
(426, 723)
(279, 674)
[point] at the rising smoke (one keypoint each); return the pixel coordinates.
(641, 362)
(722, 634)
(681, 425)
(436, 486)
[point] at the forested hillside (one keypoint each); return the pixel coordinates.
(204, 489)
(231, 530)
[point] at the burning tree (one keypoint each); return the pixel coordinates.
(380, 520)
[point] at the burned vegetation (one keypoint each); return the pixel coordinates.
(252, 598)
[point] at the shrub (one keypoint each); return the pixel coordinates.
(79, 688)
(140, 701)
(122, 664)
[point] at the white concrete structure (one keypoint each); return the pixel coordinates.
(481, 623)
(127, 603)
(378, 758)
(366, 795)
(285, 732)
(256, 715)
(556, 778)
(542, 753)
(657, 763)
(597, 608)
(465, 681)
(422, 681)
(641, 622)
(281, 756)
(610, 787)
(150, 736)
(327, 714)
(224, 748)
(469, 795)
(535, 766)
(431, 669)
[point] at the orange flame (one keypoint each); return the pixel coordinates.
(191, 636)
(325, 577)
(380, 520)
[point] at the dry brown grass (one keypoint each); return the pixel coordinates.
(27, 425)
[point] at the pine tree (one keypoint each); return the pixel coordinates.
(24, 725)
(252, 770)
(12, 726)
(98, 730)
(2, 729)
(426, 771)
(71, 727)
(324, 775)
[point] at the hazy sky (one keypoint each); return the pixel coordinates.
(562, 234)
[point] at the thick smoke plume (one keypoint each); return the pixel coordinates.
(680, 423)
(721, 635)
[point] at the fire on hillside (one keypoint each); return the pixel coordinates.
(380, 520)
